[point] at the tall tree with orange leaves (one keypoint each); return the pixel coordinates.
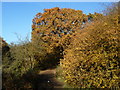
(55, 24)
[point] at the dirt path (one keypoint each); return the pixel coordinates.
(47, 79)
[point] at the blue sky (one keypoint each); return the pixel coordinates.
(17, 16)
(60, 0)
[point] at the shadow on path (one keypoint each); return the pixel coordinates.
(46, 79)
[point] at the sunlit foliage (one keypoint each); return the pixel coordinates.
(92, 59)
(55, 23)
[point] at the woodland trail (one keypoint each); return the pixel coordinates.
(47, 79)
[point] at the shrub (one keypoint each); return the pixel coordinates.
(21, 59)
(92, 58)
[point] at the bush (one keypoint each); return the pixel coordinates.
(21, 59)
(92, 60)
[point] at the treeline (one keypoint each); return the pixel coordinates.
(84, 46)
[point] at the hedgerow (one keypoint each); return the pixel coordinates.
(92, 60)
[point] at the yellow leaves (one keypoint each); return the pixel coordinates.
(99, 62)
(37, 30)
(37, 21)
(105, 24)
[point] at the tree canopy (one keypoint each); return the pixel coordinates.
(55, 23)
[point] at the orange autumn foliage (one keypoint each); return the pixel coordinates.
(55, 23)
